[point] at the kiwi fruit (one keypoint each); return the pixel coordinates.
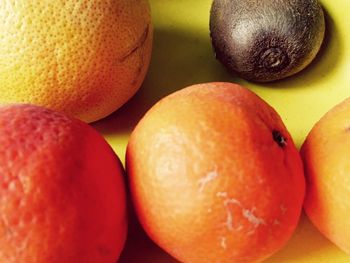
(266, 40)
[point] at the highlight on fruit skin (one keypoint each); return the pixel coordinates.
(62, 193)
(215, 176)
(266, 40)
(85, 58)
(325, 153)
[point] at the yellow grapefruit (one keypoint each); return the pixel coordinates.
(85, 58)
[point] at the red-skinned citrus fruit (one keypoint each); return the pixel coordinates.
(62, 196)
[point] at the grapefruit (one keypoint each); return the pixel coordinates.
(325, 153)
(62, 196)
(85, 58)
(215, 176)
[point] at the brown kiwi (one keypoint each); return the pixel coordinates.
(266, 40)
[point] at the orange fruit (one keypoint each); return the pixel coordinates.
(62, 196)
(325, 153)
(82, 57)
(215, 175)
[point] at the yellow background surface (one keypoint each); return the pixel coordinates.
(182, 56)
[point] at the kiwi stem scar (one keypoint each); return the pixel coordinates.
(273, 59)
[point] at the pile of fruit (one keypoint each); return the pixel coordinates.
(211, 170)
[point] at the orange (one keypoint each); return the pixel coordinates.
(82, 57)
(215, 175)
(325, 154)
(62, 196)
